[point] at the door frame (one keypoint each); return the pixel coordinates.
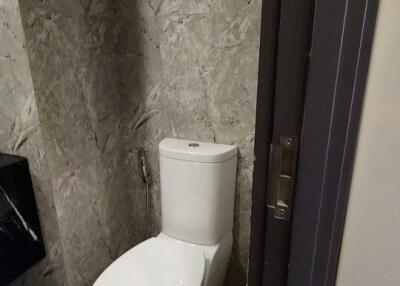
(263, 137)
(283, 62)
(339, 59)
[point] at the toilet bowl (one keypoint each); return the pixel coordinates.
(195, 244)
(166, 261)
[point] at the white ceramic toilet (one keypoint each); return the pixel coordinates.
(197, 199)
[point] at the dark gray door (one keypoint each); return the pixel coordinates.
(341, 48)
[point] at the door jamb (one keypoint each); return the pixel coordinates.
(263, 131)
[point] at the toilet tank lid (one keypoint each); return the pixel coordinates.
(195, 151)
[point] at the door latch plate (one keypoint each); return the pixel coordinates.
(282, 174)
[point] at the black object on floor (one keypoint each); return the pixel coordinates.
(21, 244)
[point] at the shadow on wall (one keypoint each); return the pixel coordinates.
(237, 275)
(85, 57)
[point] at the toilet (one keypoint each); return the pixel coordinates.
(197, 199)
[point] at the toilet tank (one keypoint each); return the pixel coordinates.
(197, 189)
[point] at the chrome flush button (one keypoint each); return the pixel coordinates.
(193, 145)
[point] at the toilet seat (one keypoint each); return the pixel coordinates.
(156, 262)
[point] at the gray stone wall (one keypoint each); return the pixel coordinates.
(114, 76)
(20, 134)
(75, 70)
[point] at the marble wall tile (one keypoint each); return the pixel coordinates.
(78, 195)
(185, 7)
(94, 87)
(237, 7)
(185, 54)
(20, 134)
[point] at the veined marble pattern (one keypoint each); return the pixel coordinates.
(20, 134)
(75, 69)
(113, 76)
